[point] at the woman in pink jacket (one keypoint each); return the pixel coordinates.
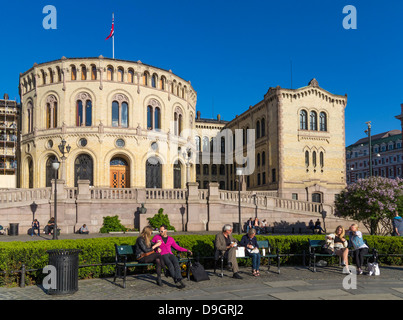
(169, 258)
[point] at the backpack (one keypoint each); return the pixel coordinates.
(198, 272)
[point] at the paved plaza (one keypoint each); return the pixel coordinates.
(293, 283)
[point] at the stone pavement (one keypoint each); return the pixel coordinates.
(293, 283)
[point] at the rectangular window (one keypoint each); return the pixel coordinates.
(295, 196)
(273, 175)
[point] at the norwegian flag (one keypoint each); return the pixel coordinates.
(112, 29)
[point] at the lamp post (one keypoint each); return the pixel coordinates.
(63, 150)
(324, 215)
(368, 131)
(239, 173)
(188, 155)
(55, 167)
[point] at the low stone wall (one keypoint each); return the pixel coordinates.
(189, 209)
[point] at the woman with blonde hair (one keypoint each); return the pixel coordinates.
(360, 248)
(340, 246)
(337, 244)
(145, 251)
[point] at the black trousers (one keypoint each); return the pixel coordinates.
(157, 259)
(359, 256)
(173, 266)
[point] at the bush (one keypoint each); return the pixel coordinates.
(101, 251)
(159, 219)
(112, 224)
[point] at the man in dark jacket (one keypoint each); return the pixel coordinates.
(226, 243)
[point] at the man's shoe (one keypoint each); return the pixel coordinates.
(180, 285)
(237, 276)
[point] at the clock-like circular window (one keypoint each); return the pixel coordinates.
(49, 144)
(82, 142)
(120, 143)
(154, 146)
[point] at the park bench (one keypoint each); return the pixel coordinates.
(124, 259)
(219, 256)
(315, 247)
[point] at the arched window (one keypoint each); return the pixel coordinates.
(145, 79)
(120, 74)
(263, 158)
(303, 124)
(258, 159)
(162, 83)
(307, 159)
(30, 124)
(50, 173)
(177, 175)
(154, 81)
(323, 121)
(120, 111)
(153, 173)
(149, 117)
(83, 73)
(51, 112)
(109, 73)
(314, 121)
(73, 73)
(130, 76)
(50, 75)
(258, 129)
(178, 121)
(43, 77)
(198, 143)
(83, 169)
(93, 73)
(206, 144)
(83, 110)
(59, 74)
(263, 125)
(157, 118)
(205, 169)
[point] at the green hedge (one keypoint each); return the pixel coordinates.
(101, 250)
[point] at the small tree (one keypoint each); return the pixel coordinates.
(159, 219)
(373, 202)
(112, 224)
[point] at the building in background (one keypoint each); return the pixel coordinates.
(208, 171)
(387, 159)
(9, 126)
(123, 121)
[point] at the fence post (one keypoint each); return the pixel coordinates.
(22, 280)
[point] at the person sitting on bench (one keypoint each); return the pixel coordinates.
(168, 257)
(50, 226)
(252, 250)
(227, 244)
(35, 226)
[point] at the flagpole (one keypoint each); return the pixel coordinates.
(113, 37)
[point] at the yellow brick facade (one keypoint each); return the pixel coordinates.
(103, 81)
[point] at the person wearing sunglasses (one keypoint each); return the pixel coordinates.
(170, 260)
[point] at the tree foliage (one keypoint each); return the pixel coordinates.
(373, 202)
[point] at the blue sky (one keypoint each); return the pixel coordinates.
(231, 51)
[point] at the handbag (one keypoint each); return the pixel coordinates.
(198, 272)
(145, 254)
(373, 269)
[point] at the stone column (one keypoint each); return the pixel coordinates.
(84, 210)
(61, 204)
(214, 208)
(196, 209)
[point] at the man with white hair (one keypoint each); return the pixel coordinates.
(226, 243)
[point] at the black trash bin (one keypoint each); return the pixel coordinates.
(236, 227)
(13, 229)
(66, 263)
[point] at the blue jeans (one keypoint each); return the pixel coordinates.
(255, 260)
